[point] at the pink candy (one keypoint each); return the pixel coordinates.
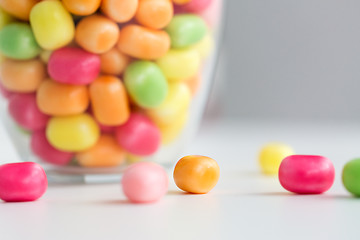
(138, 135)
(21, 182)
(23, 109)
(144, 182)
(5, 93)
(306, 174)
(194, 6)
(42, 148)
(73, 66)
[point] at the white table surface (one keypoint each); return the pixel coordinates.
(244, 205)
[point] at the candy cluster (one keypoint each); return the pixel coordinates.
(98, 80)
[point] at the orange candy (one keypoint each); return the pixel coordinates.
(97, 34)
(119, 10)
(109, 101)
(142, 42)
(196, 174)
(18, 8)
(105, 153)
(114, 62)
(193, 83)
(81, 7)
(154, 13)
(22, 76)
(59, 99)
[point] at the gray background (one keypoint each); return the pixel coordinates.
(297, 59)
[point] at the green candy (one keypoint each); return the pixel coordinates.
(185, 30)
(146, 83)
(17, 41)
(351, 176)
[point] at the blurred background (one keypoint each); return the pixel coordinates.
(289, 59)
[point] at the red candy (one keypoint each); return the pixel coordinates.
(24, 110)
(306, 174)
(73, 66)
(3, 92)
(138, 135)
(44, 150)
(22, 182)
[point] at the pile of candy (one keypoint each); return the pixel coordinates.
(99, 80)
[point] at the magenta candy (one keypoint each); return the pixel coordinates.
(22, 182)
(195, 6)
(23, 109)
(5, 93)
(138, 135)
(73, 66)
(106, 129)
(45, 151)
(145, 182)
(306, 174)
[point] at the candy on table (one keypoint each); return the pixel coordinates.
(175, 105)
(73, 66)
(169, 132)
(114, 62)
(105, 153)
(96, 34)
(351, 176)
(178, 65)
(22, 76)
(154, 13)
(146, 84)
(138, 135)
(5, 18)
(60, 99)
(17, 41)
(144, 43)
(59, 29)
(196, 174)
(18, 8)
(24, 110)
(144, 182)
(41, 147)
(109, 100)
(22, 182)
(271, 156)
(82, 7)
(119, 11)
(306, 174)
(73, 133)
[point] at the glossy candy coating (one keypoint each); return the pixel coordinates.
(22, 182)
(196, 174)
(59, 29)
(109, 100)
(22, 76)
(119, 11)
(154, 14)
(146, 84)
(17, 41)
(24, 110)
(82, 7)
(114, 62)
(73, 133)
(138, 136)
(351, 177)
(46, 152)
(73, 66)
(96, 34)
(18, 8)
(271, 155)
(306, 174)
(59, 99)
(197, 6)
(144, 182)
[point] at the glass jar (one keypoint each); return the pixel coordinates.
(90, 88)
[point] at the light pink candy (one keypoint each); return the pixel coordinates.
(21, 182)
(306, 174)
(46, 152)
(144, 182)
(23, 109)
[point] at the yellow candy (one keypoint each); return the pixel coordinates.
(176, 104)
(73, 133)
(170, 132)
(271, 156)
(179, 64)
(5, 18)
(52, 24)
(204, 47)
